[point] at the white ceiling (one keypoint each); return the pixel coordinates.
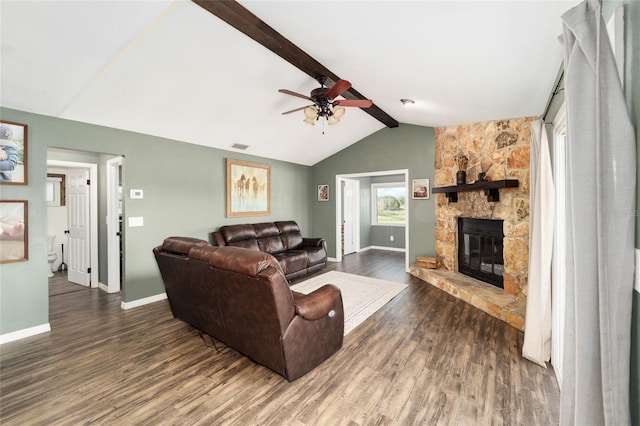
(171, 69)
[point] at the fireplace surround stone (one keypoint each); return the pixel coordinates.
(500, 149)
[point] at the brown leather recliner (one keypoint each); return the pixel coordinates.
(297, 255)
(242, 298)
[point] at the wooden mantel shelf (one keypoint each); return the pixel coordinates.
(490, 187)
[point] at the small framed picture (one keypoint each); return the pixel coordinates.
(323, 192)
(420, 189)
(13, 231)
(13, 153)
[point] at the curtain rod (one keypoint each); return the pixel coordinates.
(556, 90)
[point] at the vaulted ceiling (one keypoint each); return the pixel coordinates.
(172, 69)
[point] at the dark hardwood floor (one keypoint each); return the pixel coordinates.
(424, 358)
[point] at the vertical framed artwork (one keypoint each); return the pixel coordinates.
(420, 189)
(13, 153)
(248, 189)
(323, 192)
(14, 239)
(56, 189)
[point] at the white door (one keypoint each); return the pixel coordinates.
(78, 222)
(351, 218)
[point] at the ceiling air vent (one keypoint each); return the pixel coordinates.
(239, 146)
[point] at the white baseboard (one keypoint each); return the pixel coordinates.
(144, 301)
(383, 248)
(105, 288)
(333, 259)
(26, 332)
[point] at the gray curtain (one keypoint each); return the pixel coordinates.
(537, 328)
(601, 188)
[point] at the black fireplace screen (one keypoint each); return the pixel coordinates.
(480, 249)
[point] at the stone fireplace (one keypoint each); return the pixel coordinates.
(500, 149)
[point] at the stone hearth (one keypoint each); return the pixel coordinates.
(487, 298)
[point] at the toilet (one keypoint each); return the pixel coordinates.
(51, 253)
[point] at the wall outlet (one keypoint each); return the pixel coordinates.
(390, 237)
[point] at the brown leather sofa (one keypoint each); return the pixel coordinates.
(242, 298)
(298, 256)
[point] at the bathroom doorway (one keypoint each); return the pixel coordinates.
(74, 225)
(104, 263)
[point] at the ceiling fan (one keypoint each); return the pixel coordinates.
(324, 102)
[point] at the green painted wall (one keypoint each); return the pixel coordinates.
(405, 147)
(24, 292)
(184, 194)
(365, 211)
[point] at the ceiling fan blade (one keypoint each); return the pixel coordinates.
(338, 88)
(289, 92)
(360, 103)
(295, 110)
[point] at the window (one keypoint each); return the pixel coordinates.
(388, 201)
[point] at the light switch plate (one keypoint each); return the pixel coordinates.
(136, 194)
(136, 221)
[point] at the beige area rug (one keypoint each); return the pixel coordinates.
(361, 296)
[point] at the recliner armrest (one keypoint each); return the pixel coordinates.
(318, 304)
(313, 242)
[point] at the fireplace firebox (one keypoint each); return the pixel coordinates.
(480, 249)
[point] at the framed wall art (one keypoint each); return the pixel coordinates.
(13, 153)
(56, 189)
(248, 189)
(323, 192)
(420, 189)
(14, 240)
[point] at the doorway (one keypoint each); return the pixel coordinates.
(351, 216)
(79, 220)
(105, 184)
(341, 203)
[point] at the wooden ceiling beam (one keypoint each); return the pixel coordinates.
(234, 14)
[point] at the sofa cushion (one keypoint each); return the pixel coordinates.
(290, 234)
(235, 233)
(292, 260)
(240, 236)
(268, 236)
(316, 255)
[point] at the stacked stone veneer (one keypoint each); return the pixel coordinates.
(501, 150)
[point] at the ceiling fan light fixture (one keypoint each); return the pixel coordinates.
(311, 112)
(325, 105)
